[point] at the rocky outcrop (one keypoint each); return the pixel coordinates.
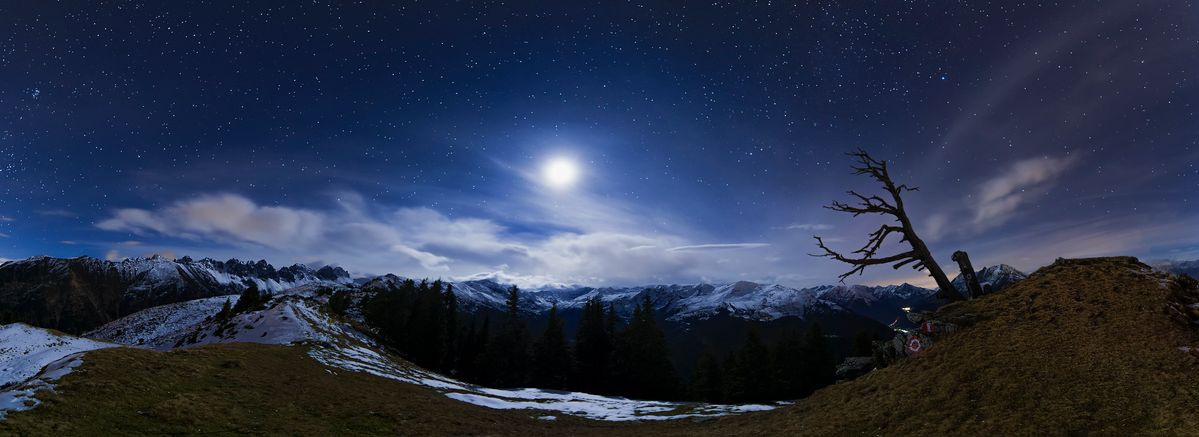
(1183, 304)
(853, 367)
(993, 279)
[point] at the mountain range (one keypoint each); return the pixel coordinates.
(77, 294)
(80, 294)
(1190, 268)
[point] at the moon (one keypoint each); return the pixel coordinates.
(560, 173)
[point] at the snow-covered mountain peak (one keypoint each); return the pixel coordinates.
(993, 278)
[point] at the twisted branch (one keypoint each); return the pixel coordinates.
(918, 257)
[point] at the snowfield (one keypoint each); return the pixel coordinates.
(25, 351)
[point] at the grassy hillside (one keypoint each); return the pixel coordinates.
(255, 389)
(1081, 347)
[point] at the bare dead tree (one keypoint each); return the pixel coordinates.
(874, 204)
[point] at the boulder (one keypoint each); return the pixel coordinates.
(854, 367)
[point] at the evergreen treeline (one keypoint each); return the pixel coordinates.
(421, 321)
(793, 368)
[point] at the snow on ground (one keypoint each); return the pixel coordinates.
(346, 355)
(25, 351)
(296, 317)
(286, 320)
(597, 407)
(154, 326)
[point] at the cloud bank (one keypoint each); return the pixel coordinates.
(424, 241)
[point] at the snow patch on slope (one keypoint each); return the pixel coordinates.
(154, 327)
(361, 358)
(297, 317)
(24, 352)
(286, 320)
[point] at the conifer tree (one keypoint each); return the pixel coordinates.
(471, 353)
(754, 376)
(788, 367)
(450, 300)
(611, 322)
(339, 302)
(593, 350)
(643, 368)
(226, 311)
(248, 300)
(551, 359)
(820, 362)
(707, 380)
(389, 311)
(426, 326)
(507, 355)
(732, 378)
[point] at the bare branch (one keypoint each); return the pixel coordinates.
(855, 210)
(876, 240)
(919, 255)
(859, 263)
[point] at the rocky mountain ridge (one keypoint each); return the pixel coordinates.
(78, 294)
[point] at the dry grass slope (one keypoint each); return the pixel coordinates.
(1082, 347)
(254, 389)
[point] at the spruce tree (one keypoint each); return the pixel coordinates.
(426, 327)
(450, 300)
(732, 378)
(643, 368)
(226, 311)
(339, 302)
(610, 322)
(388, 311)
(820, 362)
(250, 300)
(707, 380)
(788, 367)
(754, 376)
(551, 359)
(507, 355)
(593, 350)
(470, 355)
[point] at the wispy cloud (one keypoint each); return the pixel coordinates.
(808, 226)
(1003, 195)
(56, 213)
(234, 219)
(416, 241)
(719, 246)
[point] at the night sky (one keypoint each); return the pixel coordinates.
(414, 138)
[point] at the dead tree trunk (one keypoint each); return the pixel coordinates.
(968, 275)
(919, 253)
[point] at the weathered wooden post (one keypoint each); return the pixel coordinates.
(972, 287)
